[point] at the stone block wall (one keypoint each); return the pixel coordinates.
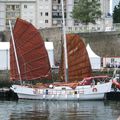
(104, 44)
(53, 35)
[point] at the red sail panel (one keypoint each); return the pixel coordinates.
(31, 53)
(78, 61)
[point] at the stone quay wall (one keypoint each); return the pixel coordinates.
(104, 44)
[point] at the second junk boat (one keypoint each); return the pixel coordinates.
(29, 61)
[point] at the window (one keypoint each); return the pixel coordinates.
(25, 6)
(112, 60)
(46, 21)
(17, 6)
(41, 13)
(46, 14)
(58, 1)
(8, 6)
(63, 88)
(13, 7)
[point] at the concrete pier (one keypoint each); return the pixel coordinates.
(7, 94)
(113, 96)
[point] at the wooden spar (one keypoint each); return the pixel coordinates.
(65, 46)
(16, 58)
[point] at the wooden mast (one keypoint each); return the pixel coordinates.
(16, 58)
(65, 45)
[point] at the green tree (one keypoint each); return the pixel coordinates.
(86, 11)
(116, 14)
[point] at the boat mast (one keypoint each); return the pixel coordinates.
(65, 46)
(16, 58)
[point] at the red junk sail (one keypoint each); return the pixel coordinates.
(31, 53)
(78, 60)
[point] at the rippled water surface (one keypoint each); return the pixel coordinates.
(59, 110)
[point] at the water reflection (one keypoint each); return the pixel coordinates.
(59, 110)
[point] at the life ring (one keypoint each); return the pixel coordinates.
(94, 89)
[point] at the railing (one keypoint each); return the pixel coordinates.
(84, 28)
(116, 26)
(59, 92)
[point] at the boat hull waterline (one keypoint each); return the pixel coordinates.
(86, 92)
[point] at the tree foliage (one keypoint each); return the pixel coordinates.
(86, 11)
(116, 14)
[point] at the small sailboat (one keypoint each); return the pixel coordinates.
(29, 62)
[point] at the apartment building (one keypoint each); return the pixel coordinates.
(56, 13)
(38, 12)
(42, 13)
(102, 24)
(12, 9)
(105, 7)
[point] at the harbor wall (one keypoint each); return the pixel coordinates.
(104, 44)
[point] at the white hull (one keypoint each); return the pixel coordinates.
(87, 92)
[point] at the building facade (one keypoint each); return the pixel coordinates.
(38, 12)
(43, 13)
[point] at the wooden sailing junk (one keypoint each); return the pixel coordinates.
(28, 53)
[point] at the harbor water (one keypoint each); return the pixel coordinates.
(59, 110)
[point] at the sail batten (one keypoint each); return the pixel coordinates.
(27, 39)
(32, 54)
(29, 51)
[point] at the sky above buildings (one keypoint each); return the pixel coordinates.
(113, 3)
